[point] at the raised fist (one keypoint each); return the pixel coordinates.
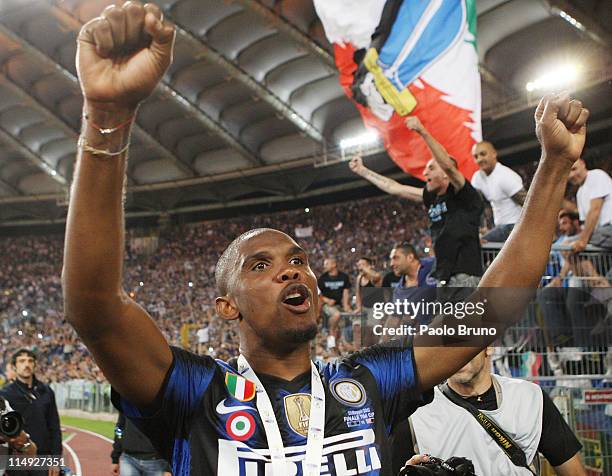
(561, 126)
(356, 165)
(414, 123)
(123, 54)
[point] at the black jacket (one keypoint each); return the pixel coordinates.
(39, 411)
(130, 440)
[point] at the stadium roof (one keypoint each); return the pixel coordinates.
(251, 111)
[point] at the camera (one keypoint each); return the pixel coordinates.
(453, 466)
(11, 423)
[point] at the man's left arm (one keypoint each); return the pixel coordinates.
(439, 153)
(520, 197)
(373, 276)
(512, 186)
(590, 223)
(561, 129)
(346, 306)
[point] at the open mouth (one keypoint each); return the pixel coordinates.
(296, 297)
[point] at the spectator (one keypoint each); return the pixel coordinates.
(569, 231)
(390, 281)
(9, 375)
(203, 336)
(368, 277)
(36, 403)
(563, 300)
(445, 427)
(454, 209)
(594, 197)
(133, 453)
(503, 189)
(415, 284)
(335, 287)
(367, 293)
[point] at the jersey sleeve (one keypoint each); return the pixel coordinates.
(393, 367)
(182, 391)
(557, 443)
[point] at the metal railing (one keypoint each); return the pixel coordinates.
(92, 397)
(591, 268)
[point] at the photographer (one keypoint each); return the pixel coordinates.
(11, 444)
(35, 401)
(524, 418)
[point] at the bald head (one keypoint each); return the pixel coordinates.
(229, 261)
(485, 155)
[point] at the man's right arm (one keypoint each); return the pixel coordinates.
(386, 184)
(561, 129)
(125, 342)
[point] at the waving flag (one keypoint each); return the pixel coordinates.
(410, 57)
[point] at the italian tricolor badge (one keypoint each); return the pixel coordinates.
(239, 387)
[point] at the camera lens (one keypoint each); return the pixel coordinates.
(10, 424)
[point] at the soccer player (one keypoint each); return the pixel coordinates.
(272, 411)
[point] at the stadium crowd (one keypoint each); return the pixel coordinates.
(31, 301)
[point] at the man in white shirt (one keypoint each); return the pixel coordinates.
(502, 187)
(520, 408)
(594, 199)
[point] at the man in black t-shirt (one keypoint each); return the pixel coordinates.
(335, 289)
(133, 453)
(273, 411)
(390, 281)
(453, 206)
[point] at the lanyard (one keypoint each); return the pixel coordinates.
(316, 423)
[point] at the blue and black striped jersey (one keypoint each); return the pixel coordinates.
(205, 426)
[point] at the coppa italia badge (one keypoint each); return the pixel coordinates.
(240, 426)
(239, 387)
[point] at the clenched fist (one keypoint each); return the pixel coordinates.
(414, 123)
(561, 126)
(123, 54)
(356, 165)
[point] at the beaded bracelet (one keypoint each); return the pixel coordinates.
(82, 143)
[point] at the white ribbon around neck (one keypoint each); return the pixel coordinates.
(316, 422)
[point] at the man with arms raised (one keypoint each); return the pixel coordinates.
(272, 409)
(454, 208)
